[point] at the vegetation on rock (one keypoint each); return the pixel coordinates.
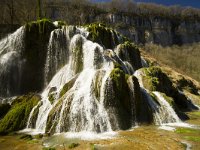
(131, 51)
(101, 34)
(17, 117)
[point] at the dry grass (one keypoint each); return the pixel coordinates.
(185, 59)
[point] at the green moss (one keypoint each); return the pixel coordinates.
(101, 34)
(187, 130)
(73, 145)
(41, 24)
(192, 138)
(67, 86)
(156, 80)
(52, 119)
(51, 98)
(17, 117)
(130, 52)
(117, 76)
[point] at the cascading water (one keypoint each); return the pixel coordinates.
(167, 113)
(82, 92)
(11, 63)
(162, 112)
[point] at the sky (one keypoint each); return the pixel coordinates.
(192, 3)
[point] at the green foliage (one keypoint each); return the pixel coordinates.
(73, 145)
(17, 117)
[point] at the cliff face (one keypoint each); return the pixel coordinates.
(156, 30)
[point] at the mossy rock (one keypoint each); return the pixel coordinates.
(77, 52)
(97, 83)
(156, 80)
(68, 86)
(17, 117)
(130, 52)
(52, 98)
(185, 84)
(118, 99)
(34, 54)
(73, 145)
(42, 25)
(26, 137)
(4, 108)
(99, 33)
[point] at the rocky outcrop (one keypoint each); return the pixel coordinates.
(158, 30)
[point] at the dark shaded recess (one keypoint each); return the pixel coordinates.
(133, 52)
(4, 108)
(176, 38)
(144, 113)
(36, 42)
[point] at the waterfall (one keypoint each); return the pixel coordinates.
(167, 113)
(11, 63)
(162, 112)
(133, 103)
(86, 112)
(82, 91)
(84, 106)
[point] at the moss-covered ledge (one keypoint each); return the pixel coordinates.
(103, 35)
(17, 117)
(129, 52)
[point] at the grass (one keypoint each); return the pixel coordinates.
(184, 58)
(192, 138)
(187, 130)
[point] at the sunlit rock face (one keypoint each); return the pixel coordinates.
(85, 83)
(156, 30)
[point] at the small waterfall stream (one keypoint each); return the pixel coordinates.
(163, 113)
